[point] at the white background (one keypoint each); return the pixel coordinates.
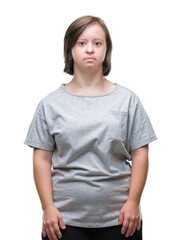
(146, 58)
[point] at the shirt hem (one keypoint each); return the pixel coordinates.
(32, 144)
(144, 143)
(91, 225)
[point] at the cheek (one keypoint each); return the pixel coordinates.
(76, 55)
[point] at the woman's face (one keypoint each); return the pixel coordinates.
(90, 49)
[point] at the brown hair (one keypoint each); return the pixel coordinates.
(74, 31)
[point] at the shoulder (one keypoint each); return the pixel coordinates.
(51, 98)
(130, 99)
(49, 102)
(128, 94)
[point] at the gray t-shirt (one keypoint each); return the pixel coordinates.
(91, 137)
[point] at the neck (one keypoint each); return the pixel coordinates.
(87, 80)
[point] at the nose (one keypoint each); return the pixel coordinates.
(89, 48)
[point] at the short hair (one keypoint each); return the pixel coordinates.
(74, 31)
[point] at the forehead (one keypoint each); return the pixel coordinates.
(93, 31)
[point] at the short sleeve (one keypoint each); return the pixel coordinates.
(140, 129)
(38, 134)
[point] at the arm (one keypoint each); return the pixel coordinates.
(42, 177)
(129, 214)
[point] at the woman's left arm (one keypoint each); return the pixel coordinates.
(129, 215)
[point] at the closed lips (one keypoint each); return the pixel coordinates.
(89, 58)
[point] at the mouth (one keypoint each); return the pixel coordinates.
(89, 59)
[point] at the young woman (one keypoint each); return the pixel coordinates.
(84, 135)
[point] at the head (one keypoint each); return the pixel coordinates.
(77, 29)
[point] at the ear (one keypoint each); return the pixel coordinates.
(104, 55)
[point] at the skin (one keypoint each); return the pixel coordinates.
(88, 79)
(129, 215)
(88, 75)
(42, 176)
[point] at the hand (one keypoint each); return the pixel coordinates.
(52, 222)
(129, 218)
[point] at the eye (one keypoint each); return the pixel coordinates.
(81, 43)
(98, 43)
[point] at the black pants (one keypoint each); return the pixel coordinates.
(106, 233)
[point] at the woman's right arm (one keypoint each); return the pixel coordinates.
(42, 175)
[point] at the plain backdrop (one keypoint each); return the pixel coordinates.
(146, 58)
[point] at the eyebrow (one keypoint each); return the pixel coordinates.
(93, 39)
